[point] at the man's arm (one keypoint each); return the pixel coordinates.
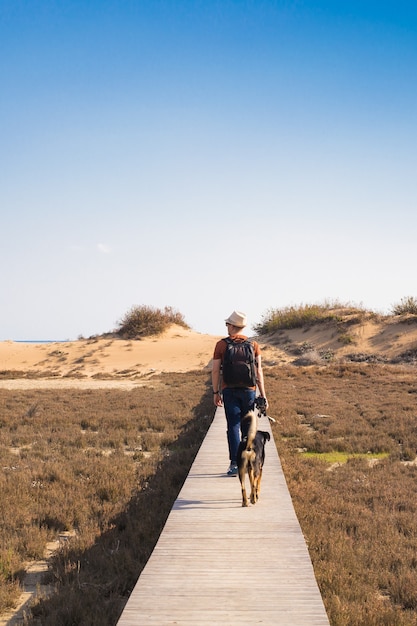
(260, 378)
(215, 380)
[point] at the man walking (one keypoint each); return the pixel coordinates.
(236, 373)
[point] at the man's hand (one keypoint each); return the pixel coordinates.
(217, 399)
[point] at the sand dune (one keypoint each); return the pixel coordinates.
(105, 360)
(388, 338)
(108, 362)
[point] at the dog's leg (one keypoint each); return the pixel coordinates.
(252, 480)
(242, 476)
(243, 487)
(258, 484)
(255, 490)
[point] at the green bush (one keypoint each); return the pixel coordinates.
(144, 321)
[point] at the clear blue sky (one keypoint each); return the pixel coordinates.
(207, 155)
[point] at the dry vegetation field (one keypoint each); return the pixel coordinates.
(106, 466)
(347, 438)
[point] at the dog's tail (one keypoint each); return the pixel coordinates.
(252, 428)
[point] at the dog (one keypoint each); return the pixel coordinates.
(251, 457)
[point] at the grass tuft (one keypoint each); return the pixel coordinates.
(407, 306)
(306, 315)
(144, 321)
(343, 457)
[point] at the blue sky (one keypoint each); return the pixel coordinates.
(205, 155)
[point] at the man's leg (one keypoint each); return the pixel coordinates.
(232, 410)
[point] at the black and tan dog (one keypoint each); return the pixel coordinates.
(251, 457)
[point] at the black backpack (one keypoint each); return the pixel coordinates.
(238, 366)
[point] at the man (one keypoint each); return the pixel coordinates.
(238, 395)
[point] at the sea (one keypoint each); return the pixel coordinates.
(41, 340)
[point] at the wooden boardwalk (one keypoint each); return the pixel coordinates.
(218, 563)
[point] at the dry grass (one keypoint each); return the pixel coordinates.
(109, 465)
(305, 315)
(359, 517)
(105, 464)
(407, 306)
(144, 321)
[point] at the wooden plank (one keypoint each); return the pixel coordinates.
(218, 563)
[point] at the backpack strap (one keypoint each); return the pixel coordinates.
(230, 340)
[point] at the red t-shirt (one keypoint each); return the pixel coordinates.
(220, 349)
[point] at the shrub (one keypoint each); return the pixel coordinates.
(144, 321)
(304, 315)
(346, 339)
(408, 305)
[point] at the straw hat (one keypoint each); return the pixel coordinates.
(237, 318)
